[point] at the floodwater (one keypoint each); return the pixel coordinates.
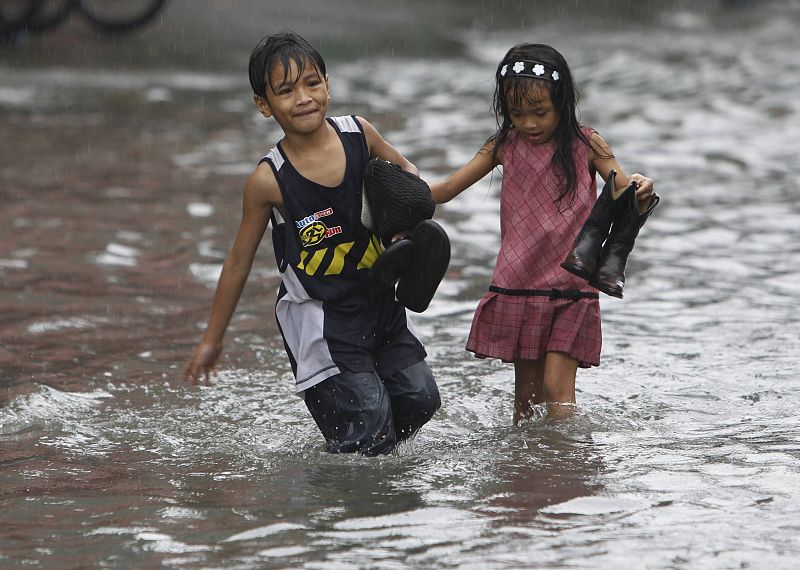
(120, 194)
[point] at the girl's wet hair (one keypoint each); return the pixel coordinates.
(563, 94)
(281, 49)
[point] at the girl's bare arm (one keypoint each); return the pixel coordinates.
(479, 166)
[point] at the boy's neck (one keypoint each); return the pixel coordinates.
(300, 143)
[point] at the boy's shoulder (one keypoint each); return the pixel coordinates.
(344, 123)
(262, 185)
(274, 156)
(348, 123)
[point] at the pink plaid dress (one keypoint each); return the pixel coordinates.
(517, 319)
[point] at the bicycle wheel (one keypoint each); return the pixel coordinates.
(115, 16)
(51, 14)
(15, 14)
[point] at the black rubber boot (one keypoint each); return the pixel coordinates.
(419, 282)
(390, 265)
(588, 245)
(610, 274)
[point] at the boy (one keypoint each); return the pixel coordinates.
(360, 370)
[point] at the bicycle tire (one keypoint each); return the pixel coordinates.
(52, 14)
(14, 18)
(110, 23)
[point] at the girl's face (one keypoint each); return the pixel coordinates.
(533, 114)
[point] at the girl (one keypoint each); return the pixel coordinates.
(537, 314)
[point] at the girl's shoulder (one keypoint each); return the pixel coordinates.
(590, 140)
(597, 145)
(588, 131)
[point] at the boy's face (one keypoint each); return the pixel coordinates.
(298, 102)
(533, 114)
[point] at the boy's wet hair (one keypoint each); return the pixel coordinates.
(280, 50)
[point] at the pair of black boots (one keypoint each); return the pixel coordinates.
(601, 249)
(416, 263)
(398, 206)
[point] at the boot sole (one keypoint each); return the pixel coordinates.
(418, 284)
(577, 270)
(610, 290)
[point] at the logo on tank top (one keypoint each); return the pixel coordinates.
(312, 230)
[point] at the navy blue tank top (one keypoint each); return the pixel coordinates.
(322, 242)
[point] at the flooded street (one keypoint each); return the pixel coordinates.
(121, 175)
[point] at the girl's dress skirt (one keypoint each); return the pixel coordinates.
(514, 328)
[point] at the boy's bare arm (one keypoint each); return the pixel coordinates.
(260, 195)
(380, 148)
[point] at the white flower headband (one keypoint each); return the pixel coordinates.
(526, 68)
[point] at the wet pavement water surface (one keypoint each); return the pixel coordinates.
(121, 188)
